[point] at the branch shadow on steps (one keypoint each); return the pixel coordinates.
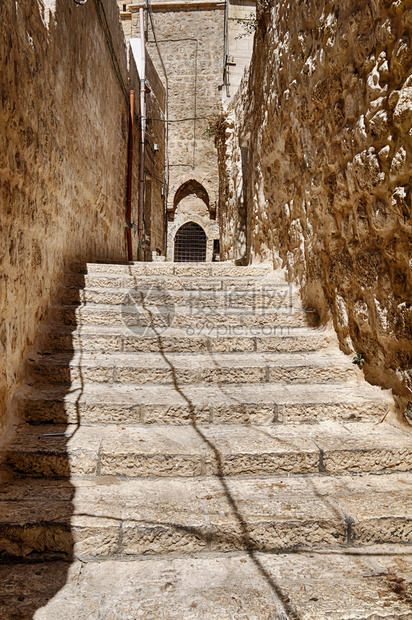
(284, 608)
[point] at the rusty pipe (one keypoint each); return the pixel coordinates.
(130, 179)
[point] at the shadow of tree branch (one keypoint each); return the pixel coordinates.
(283, 606)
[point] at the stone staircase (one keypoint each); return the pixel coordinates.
(191, 445)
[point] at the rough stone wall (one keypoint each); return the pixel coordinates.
(324, 127)
(63, 158)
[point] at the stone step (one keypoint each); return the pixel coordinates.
(257, 299)
(350, 584)
(178, 283)
(182, 369)
(185, 270)
(184, 317)
(227, 450)
(110, 517)
(229, 404)
(122, 339)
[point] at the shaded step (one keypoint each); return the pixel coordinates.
(346, 584)
(117, 338)
(112, 517)
(182, 369)
(228, 404)
(183, 317)
(228, 450)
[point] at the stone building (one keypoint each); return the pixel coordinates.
(59, 201)
(197, 52)
(153, 238)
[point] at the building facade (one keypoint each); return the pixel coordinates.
(199, 51)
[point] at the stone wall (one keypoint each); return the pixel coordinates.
(63, 158)
(316, 165)
(155, 175)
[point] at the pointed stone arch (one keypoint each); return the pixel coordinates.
(191, 187)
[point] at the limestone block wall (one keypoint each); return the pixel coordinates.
(63, 158)
(192, 49)
(316, 166)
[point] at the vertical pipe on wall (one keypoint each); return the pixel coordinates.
(129, 178)
(226, 48)
(142, 126)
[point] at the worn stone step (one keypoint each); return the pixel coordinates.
(123, 339)
(227, 450)
(182, 369)
(350, 584)
(229, 404)
(109, 517)
(145, 283)
(248, 300)
(185, 317)
(188, 270)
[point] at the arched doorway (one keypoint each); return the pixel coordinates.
(190, 244)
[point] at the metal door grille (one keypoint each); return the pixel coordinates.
(190, 244)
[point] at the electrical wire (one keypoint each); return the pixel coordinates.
(180, 120)
(153, 177)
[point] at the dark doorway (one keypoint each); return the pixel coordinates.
(190, 244)
(216, 250)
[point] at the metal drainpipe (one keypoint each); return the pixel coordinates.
(226, 48)
(142, 128)
(130, 178)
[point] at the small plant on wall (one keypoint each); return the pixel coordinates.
(216, 127)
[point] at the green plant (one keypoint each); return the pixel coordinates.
(359, 360)
(216, 127)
